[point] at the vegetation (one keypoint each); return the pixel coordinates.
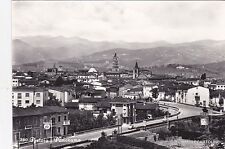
(84, 120)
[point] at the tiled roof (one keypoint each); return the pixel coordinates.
(31, 89)
(92, 100)
(32, 111)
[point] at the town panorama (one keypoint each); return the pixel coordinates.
(154, 78)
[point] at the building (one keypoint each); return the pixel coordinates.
(115, 64)
(123, 109)
(145, 110)
(147, 90)
(62, 94)
(136, 71)
(220, 86)
(15, 82)
(181, 93)
(32, 121)
(26, 96)
(198, 96)
(89, 104)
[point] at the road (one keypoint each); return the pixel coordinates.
(185, 111)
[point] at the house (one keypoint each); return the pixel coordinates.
(38, 122)
(181, 93)
(145, 110)
(26, 96)
(124, 89)
(62, 94)
(190, 81)
(217, 98)
(134, 93)
(147, 88)
(103, 107)
(220, 86)
(89, 104)
(123, 109)
(15, 82)
(198, 96)
(112, 92)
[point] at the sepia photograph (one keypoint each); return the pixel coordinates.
(117, 74)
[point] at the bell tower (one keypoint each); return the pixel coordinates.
(136, 71)
(115, 64)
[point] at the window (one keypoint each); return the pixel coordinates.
(38, 101)
(53, 120)
(12, 96)
(65, 118)
(27, 101)
(19, 102)
(59, 118)
(59, 129)
(19, 95)
(38, 95)
(27, 95)
(196, 94)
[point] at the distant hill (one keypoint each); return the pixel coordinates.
(199, 52)
(40, 48)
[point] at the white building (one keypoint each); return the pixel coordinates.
(61, 94)
(147, 90)
(24, 97)
(15, 82)
(198, 96)
(220, 86)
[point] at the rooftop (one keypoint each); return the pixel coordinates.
(35, 111)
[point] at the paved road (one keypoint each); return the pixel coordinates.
(185, 111)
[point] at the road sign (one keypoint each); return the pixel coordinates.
(204, 121)
(47, 126)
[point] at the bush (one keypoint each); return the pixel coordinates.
(139, 143)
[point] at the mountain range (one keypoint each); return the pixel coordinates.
(78, 50)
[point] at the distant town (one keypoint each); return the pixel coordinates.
(59, 103)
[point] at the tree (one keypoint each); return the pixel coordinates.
(59, 81)
(203, 76)
(155, 93)
(52, 102)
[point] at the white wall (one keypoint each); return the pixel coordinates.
(199, 91)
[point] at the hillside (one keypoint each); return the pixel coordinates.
(38, 48)
(199, 52)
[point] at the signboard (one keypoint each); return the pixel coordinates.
(47, 125)
(204, 121)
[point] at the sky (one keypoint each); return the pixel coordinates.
(130, 21)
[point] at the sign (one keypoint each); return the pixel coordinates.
(204, 121)
(47, 125)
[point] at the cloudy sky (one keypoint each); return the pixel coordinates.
(121, 21)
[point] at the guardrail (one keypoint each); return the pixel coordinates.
(94, 129)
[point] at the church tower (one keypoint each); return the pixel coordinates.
(136, 71)
(115, 64)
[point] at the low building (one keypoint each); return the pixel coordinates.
(145, 110)
(123, 109)
(15, 82)
(198, 96)
(33, 121)
(89, 103)
(220, 86)
(26, 96)
(62, 94)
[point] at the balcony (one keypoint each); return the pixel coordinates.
(66, 122)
